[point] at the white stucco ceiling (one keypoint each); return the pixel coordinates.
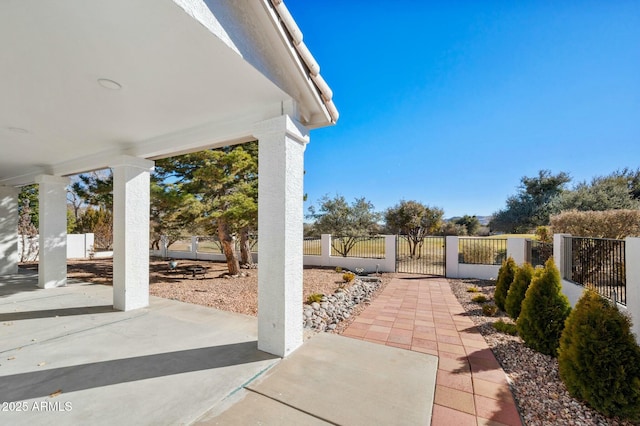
(178, 79)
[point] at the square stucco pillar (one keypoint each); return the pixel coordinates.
(517, 249)
(131, 197)
(8, 230)
(52, 263)
(282, 142)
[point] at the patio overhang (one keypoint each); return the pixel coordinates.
(88, 85)
(83, 82)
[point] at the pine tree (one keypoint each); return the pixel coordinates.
(599, 359)
(544, 311)
(518, 290)
(506, 275)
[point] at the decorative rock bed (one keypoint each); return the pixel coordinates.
(331, 310)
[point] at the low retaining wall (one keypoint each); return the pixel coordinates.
(387, 264)
(516, 248)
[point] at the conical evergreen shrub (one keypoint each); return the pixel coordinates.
(599, 358)
(506, 273)
(544, 310)
(518, 289)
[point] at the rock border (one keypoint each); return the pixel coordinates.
(327, 314)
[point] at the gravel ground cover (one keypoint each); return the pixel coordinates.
(215, 290)
(540, 394)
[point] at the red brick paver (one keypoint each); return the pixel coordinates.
(422, 314)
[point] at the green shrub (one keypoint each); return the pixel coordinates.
(505, 327)
(505, 277)
(489, 309)
(479, 298)
(338, 269)
(599, 359)
(518, 289)
(616, 224)
(315, 297)
(544, 310)
(544, 234)
(478, 254)
(472, 289)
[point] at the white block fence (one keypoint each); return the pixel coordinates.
(388, 264)
(79, 246)
(190, 253)
(516, 248)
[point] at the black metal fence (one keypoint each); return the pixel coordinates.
(598, 264)
(364, 247)
(538, 252)
(426, 257)
(482, 250)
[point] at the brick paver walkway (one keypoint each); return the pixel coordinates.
(422, 314)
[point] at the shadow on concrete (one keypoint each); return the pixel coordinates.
(37, 384)
(51, 313)
(408, 276)
(24, 281)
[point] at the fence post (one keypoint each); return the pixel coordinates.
(164, 246)
(390, 252)
(194, 247)
(632, 267)
(517, 249)
(451, 256)
(558, 253)
(89, 244)
(325, 245)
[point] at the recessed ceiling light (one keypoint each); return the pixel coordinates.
(109, 84)
(17, 130)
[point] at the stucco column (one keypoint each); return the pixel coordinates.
(131, 182)
(390, 255)
(280, 191)
(451, 256)
(325, 249)
(559, 255)
(52, 263)
(632, 255)
(8, 230)
(517, 249)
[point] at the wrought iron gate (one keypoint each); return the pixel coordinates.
(425, 257)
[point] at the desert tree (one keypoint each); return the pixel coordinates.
(348, 223)
(415, 220)
(471, 223)
(532, 205)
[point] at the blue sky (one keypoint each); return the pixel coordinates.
(451, 103)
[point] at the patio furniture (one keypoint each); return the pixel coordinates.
(195, 271)
(173, 265)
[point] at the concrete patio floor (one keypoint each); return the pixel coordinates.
(66, 357)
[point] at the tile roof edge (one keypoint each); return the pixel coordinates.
(307, 58)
